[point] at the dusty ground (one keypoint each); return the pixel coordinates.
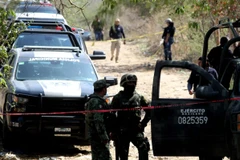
(131, 60)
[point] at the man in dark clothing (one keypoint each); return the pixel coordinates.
(129, 123)
(236, 52)
(168, 35)
(116, 33)
(97, 26)
(194, 78)
(97, 122)
(214, 55)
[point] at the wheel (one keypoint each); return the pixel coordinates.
(233, 154)
(7, 137)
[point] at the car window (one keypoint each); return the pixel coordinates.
(81, 42)
(36, 9)
(186, 78)
(42, 39)
(54, 68)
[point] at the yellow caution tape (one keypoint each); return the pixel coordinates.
(180, 29)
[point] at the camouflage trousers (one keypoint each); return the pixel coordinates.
(138, 139)
(100, 151)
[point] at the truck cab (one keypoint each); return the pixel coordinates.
(207, 124)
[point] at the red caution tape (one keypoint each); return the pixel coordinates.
(125, 109)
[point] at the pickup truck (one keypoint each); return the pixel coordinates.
(44, 80)
(207, 126)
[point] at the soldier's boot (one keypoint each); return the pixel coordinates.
(143, 154)
(143, 149)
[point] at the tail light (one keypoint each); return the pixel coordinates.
(59, 28)
(74, 29)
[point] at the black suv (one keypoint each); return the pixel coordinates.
(45, 93)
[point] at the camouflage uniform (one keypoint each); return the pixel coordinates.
(130, 126)
(96, 122)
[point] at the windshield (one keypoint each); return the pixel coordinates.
(43, 68)
(42, 39)
(36, 9)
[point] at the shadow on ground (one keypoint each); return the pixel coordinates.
(39, 148)
(125, 68)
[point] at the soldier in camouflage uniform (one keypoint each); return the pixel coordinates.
(97, 122)
(130, 126)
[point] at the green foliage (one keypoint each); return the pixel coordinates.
(193, 25)
(8, 33)
(179, 10)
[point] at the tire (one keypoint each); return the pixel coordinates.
(7, 136)
(233, 154)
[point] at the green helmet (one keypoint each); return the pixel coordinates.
(128, 78)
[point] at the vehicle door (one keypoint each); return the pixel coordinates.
(182, 125)
(231, 79)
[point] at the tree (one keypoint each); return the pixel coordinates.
(199, 10)
(8, 34)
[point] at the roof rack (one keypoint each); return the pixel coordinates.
(50, 48)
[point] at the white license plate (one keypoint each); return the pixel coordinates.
(62, 129)
(62, 135)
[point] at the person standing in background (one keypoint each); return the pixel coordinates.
(97, 26)
(167, 36)
(116, 33)
(195, 78)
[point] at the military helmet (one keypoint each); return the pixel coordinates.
(128, 78)
(100, 84)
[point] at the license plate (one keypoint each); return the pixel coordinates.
(62, 129)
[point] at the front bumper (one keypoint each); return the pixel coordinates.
(68, 126)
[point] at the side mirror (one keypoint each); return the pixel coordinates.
(98, 55)
(206, 92)
(111, 81)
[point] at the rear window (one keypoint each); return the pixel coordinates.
(42, 39)
(37, 9)
(54, 68)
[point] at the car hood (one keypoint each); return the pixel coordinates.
(53, 88)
